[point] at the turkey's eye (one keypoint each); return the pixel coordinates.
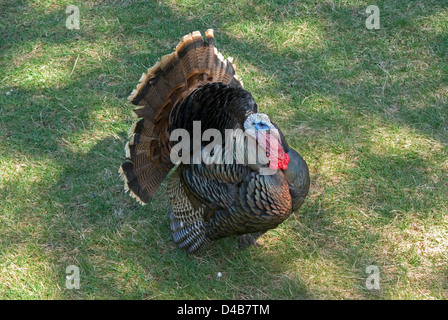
(261, 125)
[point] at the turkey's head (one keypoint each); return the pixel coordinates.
(260, 127)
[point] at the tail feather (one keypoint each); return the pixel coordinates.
(193, 63)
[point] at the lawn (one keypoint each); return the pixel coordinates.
(367, 109)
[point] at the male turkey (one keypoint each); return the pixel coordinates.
(210, 198)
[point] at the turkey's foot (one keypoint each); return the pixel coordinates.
(249, 239)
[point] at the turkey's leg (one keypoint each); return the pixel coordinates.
(249, 239)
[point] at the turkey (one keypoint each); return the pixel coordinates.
(216, 187)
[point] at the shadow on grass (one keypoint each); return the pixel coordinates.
(125, 250)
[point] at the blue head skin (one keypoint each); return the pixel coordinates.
(257, 122)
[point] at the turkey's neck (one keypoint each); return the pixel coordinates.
(278, 158)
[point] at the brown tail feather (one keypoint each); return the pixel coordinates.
(192, 64)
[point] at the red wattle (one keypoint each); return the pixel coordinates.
(282, 159)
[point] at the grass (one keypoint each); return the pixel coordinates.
(366, 108)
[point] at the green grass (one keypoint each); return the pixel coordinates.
(367, 109)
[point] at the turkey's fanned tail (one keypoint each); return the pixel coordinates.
(193, 63)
